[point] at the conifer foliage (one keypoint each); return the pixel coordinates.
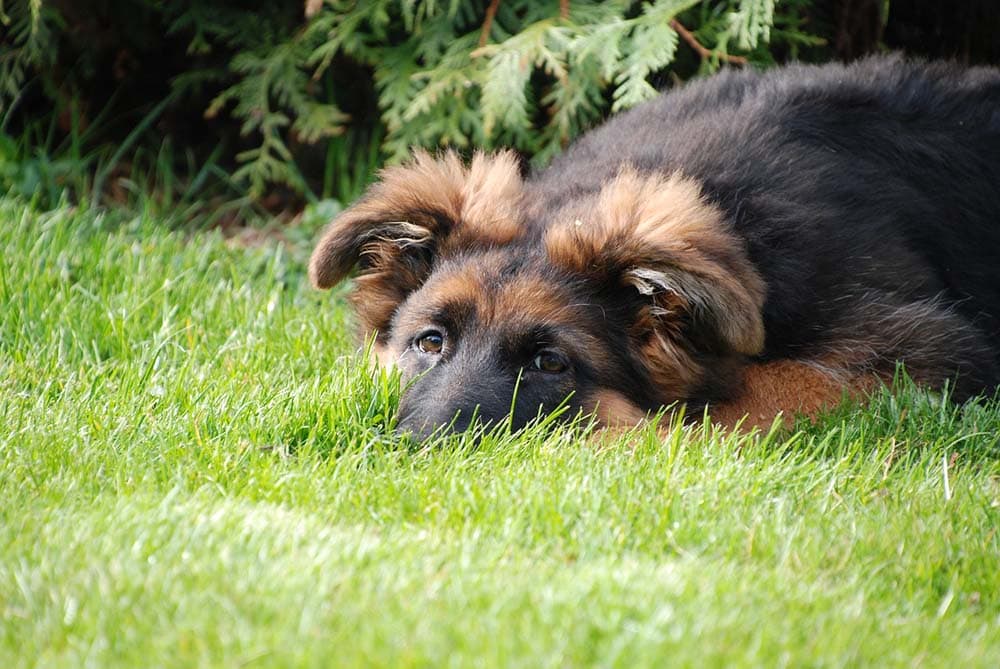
(460, 73)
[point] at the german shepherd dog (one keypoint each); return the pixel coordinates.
(753, 243)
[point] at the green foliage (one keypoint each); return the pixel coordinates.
(400, 73)
(752, 21)
(538, 78)
(198, 470)
(28, 36)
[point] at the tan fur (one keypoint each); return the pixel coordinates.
(677, 238)
(666, 241)
(674, 242)
(528, 299)
(852, 365)
(614, 410)
(463, 285)
(378, 293)
(491, 197)
(442, 290)
(405, 207)
(534, 300)
(790, 387)
(671, 368)
(531, 301)
(655, 233)
(436, 203)
(383, 356)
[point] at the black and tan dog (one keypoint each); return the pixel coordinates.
(754, 242)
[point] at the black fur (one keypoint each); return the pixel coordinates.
(868, 196)
(860, 221)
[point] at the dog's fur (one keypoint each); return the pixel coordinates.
(754, 242)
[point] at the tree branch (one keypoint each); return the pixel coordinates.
(704, 53)
(491, 12)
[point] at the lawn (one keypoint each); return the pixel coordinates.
(197, 470)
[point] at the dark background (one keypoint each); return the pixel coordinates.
(136, 74)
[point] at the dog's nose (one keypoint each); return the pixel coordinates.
(416, 429)
(422, 427)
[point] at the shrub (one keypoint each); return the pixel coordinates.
(308, 97)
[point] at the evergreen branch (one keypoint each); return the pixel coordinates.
(752, 22)
(704, 53)
(491, 13)
(521, 73)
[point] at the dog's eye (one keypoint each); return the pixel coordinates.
(550, 362)
(431, 341)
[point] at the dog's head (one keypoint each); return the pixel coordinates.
(492, 304)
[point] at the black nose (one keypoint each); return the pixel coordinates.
(422, 426)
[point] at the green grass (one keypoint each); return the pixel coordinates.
(196, 470)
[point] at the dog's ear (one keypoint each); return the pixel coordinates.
(658, 239)
(413, 215)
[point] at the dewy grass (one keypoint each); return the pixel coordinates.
(197, 469)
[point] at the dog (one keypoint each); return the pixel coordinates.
(755, 244)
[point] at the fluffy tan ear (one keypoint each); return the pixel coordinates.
(658, 235)
(412, 215)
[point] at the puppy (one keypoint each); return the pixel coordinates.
(756, 242)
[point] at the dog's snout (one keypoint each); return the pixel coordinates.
(423, 425)
(471, 391)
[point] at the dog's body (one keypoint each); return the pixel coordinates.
(756, 242)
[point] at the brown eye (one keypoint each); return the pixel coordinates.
(549, 362)
(431, 341)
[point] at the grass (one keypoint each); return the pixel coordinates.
(196, 470)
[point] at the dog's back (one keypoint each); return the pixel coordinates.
(867, 195)
(753, 242)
